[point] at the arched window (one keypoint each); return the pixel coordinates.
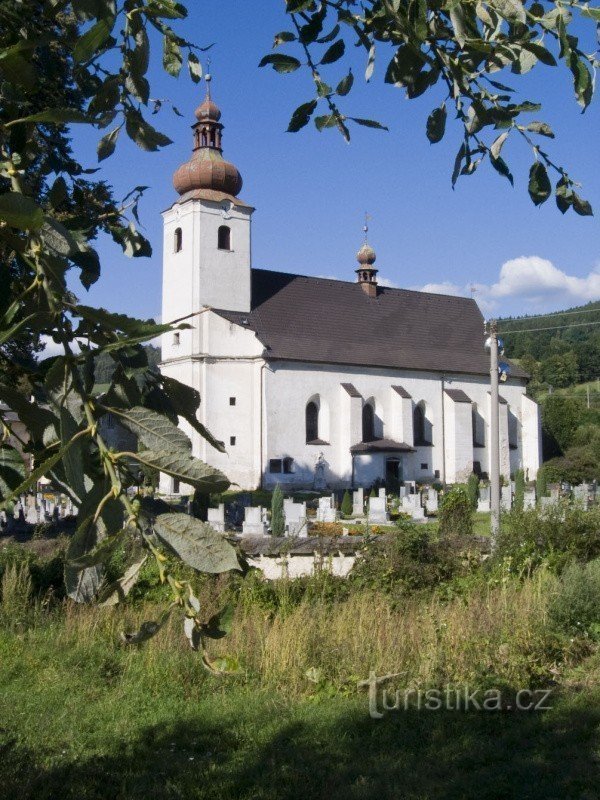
(312, 422)
(368, 423)
(421, 426)
(224, 238)
(178, 240)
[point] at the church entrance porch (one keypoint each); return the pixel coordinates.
(378, 468)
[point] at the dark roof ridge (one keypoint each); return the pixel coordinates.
(380, 287)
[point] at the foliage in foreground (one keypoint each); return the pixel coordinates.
(462, 53)
(87, 63)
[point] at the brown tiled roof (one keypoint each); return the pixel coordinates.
(458, 396)
(301, 318)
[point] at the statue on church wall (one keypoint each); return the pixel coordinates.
(320, 483)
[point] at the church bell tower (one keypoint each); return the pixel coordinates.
(206, 252)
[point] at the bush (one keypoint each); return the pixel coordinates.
(347, 506)
(405, 561)
(576, 607)
(277, 517)
(473, 490)
(555, 537)
(519, 489)
(541, 485)
(456, 513)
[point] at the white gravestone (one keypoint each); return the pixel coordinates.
(295, 519)
(529, 499)
(216, 518)
(254, 524)
(358, 503)
(377, 510)
(431, 504)
(326, 511)
(506, 498)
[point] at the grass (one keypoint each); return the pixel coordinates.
(97, 723)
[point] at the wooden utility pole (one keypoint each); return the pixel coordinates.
(494, 436)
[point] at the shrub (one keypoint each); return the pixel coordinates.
(576, 607)
(405, 561)
(541, 483)
(555, 537)
(347, 506)
(277, 517)
(519, 489)
(473, 490)
(456, 513)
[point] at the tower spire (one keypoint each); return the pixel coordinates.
(366, 272)
(207, 170)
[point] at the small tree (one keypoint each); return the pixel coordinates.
(519, 489)
(347, 507)
(541, 484)
(456, 513)
(473, 490)
(277, 516)
(373, 492)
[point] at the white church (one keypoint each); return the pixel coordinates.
(314, 382)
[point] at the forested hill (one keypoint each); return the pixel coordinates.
(560, 357)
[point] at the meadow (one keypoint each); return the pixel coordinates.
(84, 716)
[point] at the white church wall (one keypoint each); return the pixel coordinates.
(289, 386)
(531, 437)
(458, 440)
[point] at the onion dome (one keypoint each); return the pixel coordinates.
(207, 170)
(366, 255)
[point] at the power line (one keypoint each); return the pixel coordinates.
(552, 328)
(559, 314)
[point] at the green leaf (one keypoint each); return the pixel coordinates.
(39, 472)
(334, 53)
(12, 470)
(280, 62)
(581, 206)
(582, 80)
(194, 67)
(185, 402)
(153, 430)
(511, 10)
(369, 123)
(82, 583)
(436, 124)
(283, 37)
(540, 127)
(92, 40)
(134, 328)
(143, 134)
(117, 591)
(301, 116)
(107, 144)
(147, 629)
(498, 144)
(58, 116)
(539, 187)
(172, 58)
(219, 625)
(186, 468)
(564, 195)
(345, 85)
(196, 543)
(20, 211)
(326, 121)
(540, 52)
(500, 165)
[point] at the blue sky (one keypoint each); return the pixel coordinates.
(311, 190)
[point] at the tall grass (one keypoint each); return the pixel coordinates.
(494, 635)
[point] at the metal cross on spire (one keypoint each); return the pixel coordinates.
(366, 226)
(208, 77)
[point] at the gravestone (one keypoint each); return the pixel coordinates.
(506, 498)
(254, 524)
(403, 492)
(216, 518)
(581, 496)
(547, 503)
(358, 503)
(377, 510)
(529, 499)
(326, 511)
(295, 519)
(431, 503)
